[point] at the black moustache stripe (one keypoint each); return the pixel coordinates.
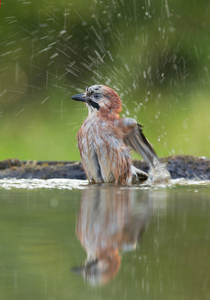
(94, 104)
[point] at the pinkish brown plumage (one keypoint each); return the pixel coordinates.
(104, 139)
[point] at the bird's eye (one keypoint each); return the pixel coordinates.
(96, 95)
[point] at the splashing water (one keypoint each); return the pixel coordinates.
(158, 174)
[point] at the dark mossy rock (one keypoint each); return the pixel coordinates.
(179, 166)
(14, 168)
(183, 166)
(187, 166)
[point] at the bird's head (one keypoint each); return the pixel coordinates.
(100, 98)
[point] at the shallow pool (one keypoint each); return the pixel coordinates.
(64, 239)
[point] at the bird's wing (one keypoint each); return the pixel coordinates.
(136, 140)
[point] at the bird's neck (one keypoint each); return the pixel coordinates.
(102, 113)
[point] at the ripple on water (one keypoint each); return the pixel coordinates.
(70, 184)
(55, 183)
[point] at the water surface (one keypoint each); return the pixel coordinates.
(63, 239)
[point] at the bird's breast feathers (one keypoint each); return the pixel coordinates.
(102, 152)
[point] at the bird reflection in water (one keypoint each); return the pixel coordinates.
(110, 221)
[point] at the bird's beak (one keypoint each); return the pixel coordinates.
(79, 97)
(84, 98)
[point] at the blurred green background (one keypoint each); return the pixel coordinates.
(154, 53)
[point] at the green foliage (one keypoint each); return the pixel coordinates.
(154, 53)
